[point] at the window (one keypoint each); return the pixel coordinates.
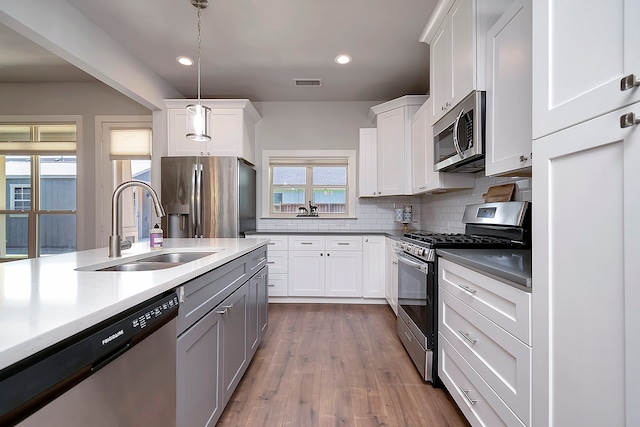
(38, 213)
(302, 178)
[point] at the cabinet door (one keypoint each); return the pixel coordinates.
(198, 359)
(263, 302)
(343, 274)
(373, 267)
(306, 273)
(391, 277)
(419, 144)
(252, 314)
(391, 152)
(508, 129)
(580, 56)
(586, 303)
(440, 71)
(226, 132)
(368, 163)
(463, 53)
(278, 285)
(234, 339)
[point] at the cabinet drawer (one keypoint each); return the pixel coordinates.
(256, 260)
(503, 361)
(278, 262)
(278, 284)
(474, 397)
(338, 243)
(312, 243)
(276, 242)
(508, 307)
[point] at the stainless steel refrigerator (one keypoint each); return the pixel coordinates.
(208, 196)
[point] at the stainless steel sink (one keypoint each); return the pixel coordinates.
(156, 262)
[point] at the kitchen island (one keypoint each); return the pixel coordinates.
(46, 300)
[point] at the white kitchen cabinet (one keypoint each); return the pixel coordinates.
(278, 262)
(368, 163)
(509, 92)
(393, 122)
(425, 179)
(325, 266)
(580, 56)
(233, 123)
(487, 324)
(373, 266)
(456, 34)
(391, 275)
(586, 298)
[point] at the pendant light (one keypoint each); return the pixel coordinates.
(198, 115)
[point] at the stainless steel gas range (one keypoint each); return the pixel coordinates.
(487, 226)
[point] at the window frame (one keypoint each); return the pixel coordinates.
(308, 159)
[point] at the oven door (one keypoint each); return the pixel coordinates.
(416, 295)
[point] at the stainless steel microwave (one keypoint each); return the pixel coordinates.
(458, 137)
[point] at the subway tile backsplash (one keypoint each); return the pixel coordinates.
(436, 212)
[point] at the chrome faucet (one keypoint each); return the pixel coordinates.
(115, 240)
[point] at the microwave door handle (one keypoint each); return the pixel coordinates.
(456, 142)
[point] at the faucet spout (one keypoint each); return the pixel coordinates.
(115, 239)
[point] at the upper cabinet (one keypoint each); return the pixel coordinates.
(233, 123)
(393, 120)
(456, 34)
(509, 67)
(575, 83)
(425, 179)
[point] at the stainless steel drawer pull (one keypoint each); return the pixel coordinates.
(264, 258)
(271, 243)
(271, 262)
(467, 337)
(628, 120)
(306, 243)
(272, 285)
(224, 310)
(343, 244)
(629, 82)
(408, 335)
(465, 393)
(468, 289)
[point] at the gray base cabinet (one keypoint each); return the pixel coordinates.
(221, 324)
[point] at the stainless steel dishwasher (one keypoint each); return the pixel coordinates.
(121, 372)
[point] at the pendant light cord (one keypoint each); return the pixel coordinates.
(199, 42)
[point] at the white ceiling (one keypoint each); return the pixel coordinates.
(254, 48)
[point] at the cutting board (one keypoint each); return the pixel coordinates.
(499, 193)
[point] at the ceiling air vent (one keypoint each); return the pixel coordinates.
(307, 82)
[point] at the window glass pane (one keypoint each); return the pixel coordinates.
(136, 212)
(58, 182)
(17, 183)
(330, 175)
(330, 200)
(57, 234)
(284, 175)
(55, 133)
(14, 236)
(15, 133)
(288, 200)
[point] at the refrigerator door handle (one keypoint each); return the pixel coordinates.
(199, 213)
(194, 181)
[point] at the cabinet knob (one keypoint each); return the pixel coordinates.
(629, 82)
(523, 158)
(629, 119)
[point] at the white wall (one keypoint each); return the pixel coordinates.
(321, 126)
(87, 100)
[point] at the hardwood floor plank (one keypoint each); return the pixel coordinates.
(335, 365)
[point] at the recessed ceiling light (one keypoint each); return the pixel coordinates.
(184, 60)
(343, 59)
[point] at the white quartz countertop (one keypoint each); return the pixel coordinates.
(45, 300)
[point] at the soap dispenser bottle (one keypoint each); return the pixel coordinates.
(155, 237)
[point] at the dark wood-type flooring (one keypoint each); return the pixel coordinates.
(335, 365)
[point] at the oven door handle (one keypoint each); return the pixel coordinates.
(423, 267)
